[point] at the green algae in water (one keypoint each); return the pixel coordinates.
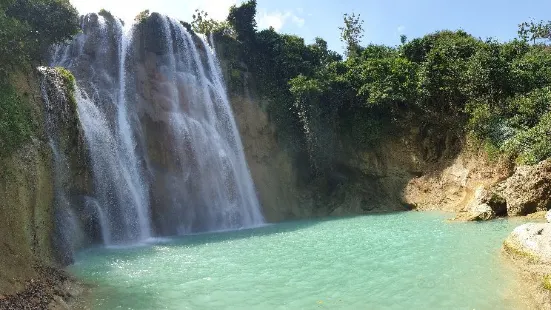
(397, 261)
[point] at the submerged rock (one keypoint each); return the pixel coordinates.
(528, 190)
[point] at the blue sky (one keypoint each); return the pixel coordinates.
(384, 20)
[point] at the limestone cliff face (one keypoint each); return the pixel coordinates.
(27, 207)
(271, 167)
(369, 180)
(419, 168)
(451, 185)
(26, 214)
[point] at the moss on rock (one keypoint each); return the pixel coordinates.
(15, 120)
(547, 282)
(518, 252)
(70, 85)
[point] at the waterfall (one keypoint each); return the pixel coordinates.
(56, 116)
(165, 153)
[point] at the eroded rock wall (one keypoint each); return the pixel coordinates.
(27, 188)
(26, 191)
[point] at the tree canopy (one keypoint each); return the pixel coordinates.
(29, 27)
(498, 93)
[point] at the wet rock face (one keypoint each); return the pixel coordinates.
(529, 189)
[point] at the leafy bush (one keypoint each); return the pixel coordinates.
(203, 24)
(70, 83)
(13, 50)
(242, 19)
(532, 145)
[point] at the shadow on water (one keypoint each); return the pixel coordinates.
(192, 240)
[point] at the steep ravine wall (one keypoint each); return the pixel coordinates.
(29, 209)
(26, 188)
(377, 177)
(418, 168)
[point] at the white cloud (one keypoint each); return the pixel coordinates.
(277, 19)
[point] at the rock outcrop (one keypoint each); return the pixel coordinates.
(366, 180)
(479, 189)
(532, 240)
(528, 190)
(459, 184)
(529, 248)
(486, 205)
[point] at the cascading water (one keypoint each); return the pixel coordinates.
(164, 149)
(57, 108)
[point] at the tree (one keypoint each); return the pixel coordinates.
(49, 22)
(534, 31)
(352, 33)
(242, 20)
(321, 52)
(203, 24)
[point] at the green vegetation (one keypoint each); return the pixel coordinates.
(203, 24)
(535, 31)
(447, 82)
(141, 17)
(547, 282)
(108, 16)
(69, 82)
(27, 29)
(15, 120)
(352, 33)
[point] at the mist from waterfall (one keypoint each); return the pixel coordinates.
(200, 180)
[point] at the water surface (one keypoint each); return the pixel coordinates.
(396, 261)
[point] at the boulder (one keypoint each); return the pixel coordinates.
(528, 190)
(486, 205)
(531, 241)
(482, 212)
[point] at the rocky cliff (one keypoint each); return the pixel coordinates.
(422, 168)
(29, 208)
(27, 199)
